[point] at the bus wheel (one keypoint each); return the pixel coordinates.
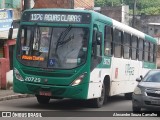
(128, 96)
(43, 99)
(98, 102)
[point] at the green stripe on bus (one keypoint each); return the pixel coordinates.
(149, 65)
(151, 39)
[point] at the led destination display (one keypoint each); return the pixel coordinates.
(66, 17)
(56, 18)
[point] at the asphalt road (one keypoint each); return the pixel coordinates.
(116, 103)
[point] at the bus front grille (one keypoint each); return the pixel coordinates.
(49, 74)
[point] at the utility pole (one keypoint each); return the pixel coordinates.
(134, 11)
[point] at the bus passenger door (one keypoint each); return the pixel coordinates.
(94, 90)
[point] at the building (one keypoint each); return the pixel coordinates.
(119, 13)
(9, 11)
(87, 4)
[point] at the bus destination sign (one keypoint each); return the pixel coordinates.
(57, 17)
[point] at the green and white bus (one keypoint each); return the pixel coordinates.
(79, 54)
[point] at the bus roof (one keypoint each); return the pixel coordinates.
(116, 24)
(107, 20)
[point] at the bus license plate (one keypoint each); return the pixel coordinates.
(45, 93)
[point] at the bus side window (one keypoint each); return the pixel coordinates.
(96, 49)
(134, 47)
(146, 50)
(154, 52)
(97, 44)
(140, 49)
(108, 39)
(117, 43)
(126, 45)
(25, 41)
(151, 52)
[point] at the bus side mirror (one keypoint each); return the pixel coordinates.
(138, 79)
(10, 33)
(99, 38)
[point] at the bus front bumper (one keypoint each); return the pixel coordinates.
(75, 92)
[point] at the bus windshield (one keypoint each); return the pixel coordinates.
(53, 47)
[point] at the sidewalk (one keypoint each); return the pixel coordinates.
(9, 94)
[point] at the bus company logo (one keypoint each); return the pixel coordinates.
(21, 114)
(129, 70)
(45, 81)
(106, 61)
(6, 114)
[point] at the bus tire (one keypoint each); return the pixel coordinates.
(43, 99)
(98, 102)
(128, 96)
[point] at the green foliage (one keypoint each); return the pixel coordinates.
(100, 3)
(149, 7)
(151, 11)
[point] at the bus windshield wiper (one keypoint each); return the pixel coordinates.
(62, 36)
(66, 41)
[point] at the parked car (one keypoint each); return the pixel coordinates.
(147, 92)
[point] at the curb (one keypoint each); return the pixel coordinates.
(10, 97)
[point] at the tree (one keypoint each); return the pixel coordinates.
(100, 3)
(150, 7)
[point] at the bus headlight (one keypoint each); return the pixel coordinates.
(137, 91)
(78, 80)
(18, 75)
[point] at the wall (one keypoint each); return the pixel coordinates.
(119, 13)
(52, 4)
(113, 12)
(143, 20)
(89, 4)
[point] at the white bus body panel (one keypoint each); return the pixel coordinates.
(123, 74)
(96, 80)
